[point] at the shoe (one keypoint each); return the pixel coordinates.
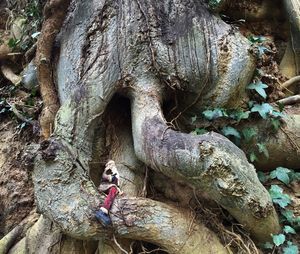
(103, 218)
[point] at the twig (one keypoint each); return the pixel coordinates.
(289, 100)
(119, 246)
(18, 114)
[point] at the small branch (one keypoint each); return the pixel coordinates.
(290, 100)
(18, 114)
(291, 81)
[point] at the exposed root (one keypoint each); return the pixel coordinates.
(54, 13)
(17, 233)
(10, 75)
(291, 81)
(290, 100)
(205, 164)
(240, 243)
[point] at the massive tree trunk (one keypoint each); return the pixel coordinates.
(118, 64)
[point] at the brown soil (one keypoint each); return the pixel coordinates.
(16, 189)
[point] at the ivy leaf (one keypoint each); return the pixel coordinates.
(275, 123)
(257, 39)
(261, 176)
(290, 249)
(262, 149)
(239, 115)
(230, 131)
(278, 239)
(200, 131)
(281, 174)
(289, 215)
(294, 176)
(253, 157)
(268, 245)
(249, 133)
(276, 114)
(259, 87)
(289, 230)
(278, 197)
(213, 114)
(194, 118)
(263, 109)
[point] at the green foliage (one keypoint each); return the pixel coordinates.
(278, 239)
(214, 4)
(249, 133)
(262, 149)
(230, 131)
(290, 249)
(263, 109)
(214, 114)
(268, 245)
(281, 174)
(32, 16)
(259, 87)
(262, 177)
(253, 157)
(278, 197)
(289, 230)
(200, 131)
(256, 39)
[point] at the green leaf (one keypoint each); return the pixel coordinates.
(263, 109)
(262, 149)
(213, 114)
(281, 106)
(259, 87)
(194, 118)
(261, 176)
(239, 115)
(289, 230)
(294, 176)
(249, 133)
(200, 131)
(253, 157)
(289, 215)
(230, 131)
(291, 249)
(278, 197)
(268, 245)
(276, 114)
(256, 39)
(275, 123)
(281, 174)
(278, 239)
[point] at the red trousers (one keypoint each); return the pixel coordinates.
(112, 193)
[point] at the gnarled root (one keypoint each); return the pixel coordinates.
(208, 162)
(54, 13)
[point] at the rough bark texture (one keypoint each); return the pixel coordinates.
(145, 51)
(54, 14)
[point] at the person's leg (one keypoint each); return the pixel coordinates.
(102, 214)
(113, 191)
